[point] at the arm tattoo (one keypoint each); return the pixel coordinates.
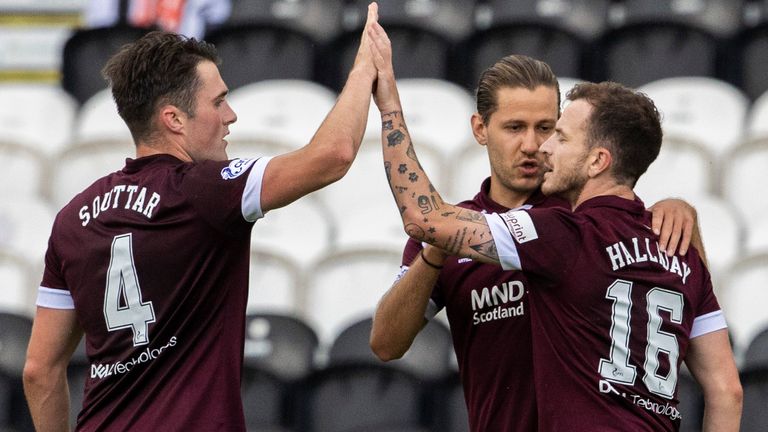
(470, 216)
(415, 231)
(395, 138)
(388, 170)
(487, 249)
(386, 125)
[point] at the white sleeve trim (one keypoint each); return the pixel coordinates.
(708, 323)
(251, 201)
(505, 244)
(54, 298)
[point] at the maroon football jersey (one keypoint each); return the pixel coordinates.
(154, 258)
(612, 314)
(489, 316)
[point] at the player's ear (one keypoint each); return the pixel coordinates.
(600, 160)
(479, 129)
(172, 118)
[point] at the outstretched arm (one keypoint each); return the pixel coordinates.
(400, 313)
(426, 217)
(334, 146)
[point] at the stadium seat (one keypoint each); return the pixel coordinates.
(25, 225)
(85, 54)
(361, 203)
(79, 166)
(274, 283)
(428, 358)
(743, 181)
(744, 298)
(722, 231)
(279, 110)
(453, 19)
(357, 398)
(691, 399)
(472, 166)
(18, 282)
(757, 237)
(437, 112)
(683, 169)
(756, 356)
(39, 116)
(14, 336)
(302, 231)
(264, 400)
(586, 18)
(748, 55)
(25, 170)
(642, 52)
(707, 110)
(280, 344)
(560, 48)
(754, 416)
(421, 53)
(721, 17)
(256, 52)
(98, 121)
(319, 19)
(757, 120)
(345, 286)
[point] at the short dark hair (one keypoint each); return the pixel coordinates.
(159, 68)
(624, 121)
(512, 71)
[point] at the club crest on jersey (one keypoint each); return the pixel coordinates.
(236, 168)
(520, 225)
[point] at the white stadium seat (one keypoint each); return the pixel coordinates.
(98, 121)
(285, 111)
(701, 109)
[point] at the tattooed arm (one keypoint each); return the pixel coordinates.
(426, 217)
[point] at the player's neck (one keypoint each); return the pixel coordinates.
(602, 188)
(161, 147)
(506, 197)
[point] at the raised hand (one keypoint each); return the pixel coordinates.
(363, 59)
(385, 93)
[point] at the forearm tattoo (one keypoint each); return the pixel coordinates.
(412, 190)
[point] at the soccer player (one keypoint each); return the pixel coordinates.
(613, 315)
(487, 307)
(151, 262)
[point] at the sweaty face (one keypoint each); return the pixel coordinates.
(523, 120)
(566, 153)
(213, 115)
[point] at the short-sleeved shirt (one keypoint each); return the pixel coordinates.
(612, 314)
(489, 316)
(154, 259)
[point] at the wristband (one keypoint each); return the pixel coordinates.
(434, 266)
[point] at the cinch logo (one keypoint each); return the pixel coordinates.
(520, 225)
(236, 168)
(101, 371)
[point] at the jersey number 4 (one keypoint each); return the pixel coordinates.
(618, 368)
(123, 306)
